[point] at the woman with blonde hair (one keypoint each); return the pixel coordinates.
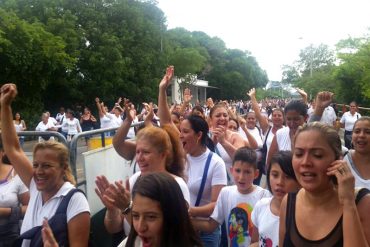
(49, 180)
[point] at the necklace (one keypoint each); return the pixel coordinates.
(2, 181)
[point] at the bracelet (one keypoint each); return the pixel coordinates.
(128, 209)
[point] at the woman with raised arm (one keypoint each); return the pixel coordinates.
(337, 215)
(48, 178)
(155, 149)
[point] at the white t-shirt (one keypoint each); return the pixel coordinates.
(73, 126)
(216, 176)
(9, 192)
(179, 180)
(36, 211)
(283, 139)
(44, 127)
(105, 122)
(116, 121)
(359, 181)
(349, 120)
(235, 209)
(266, 222)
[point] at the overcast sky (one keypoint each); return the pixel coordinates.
(274, 31)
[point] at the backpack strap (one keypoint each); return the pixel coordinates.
(62, 208)
(204, 178)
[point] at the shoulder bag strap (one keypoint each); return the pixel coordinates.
(62, 208)
(267, 135)
(204, 178)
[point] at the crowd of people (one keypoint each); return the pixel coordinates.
(223, 174)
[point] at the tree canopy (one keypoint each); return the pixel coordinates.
(67, 52)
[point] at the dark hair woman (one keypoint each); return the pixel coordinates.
(160, 214)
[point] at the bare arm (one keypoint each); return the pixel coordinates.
(261, 119)
(164, 113)
(124, 147)
(363, 212)
(274, 148)
(206, 210)
(205, 225)
(252, 141)
(24, 126)
(17, 157)
(255, 237)
(99, 106)
(78, 230)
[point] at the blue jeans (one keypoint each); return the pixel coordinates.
(211, 239)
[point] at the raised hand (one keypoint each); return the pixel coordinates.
(252, 93)
(130, 113)
(324, 99)
(102, 185)
(149, 117)
(346, 181)
(8, 93)
(166, 80)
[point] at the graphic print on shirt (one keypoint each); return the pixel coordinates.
(266, 242)
(240, 225)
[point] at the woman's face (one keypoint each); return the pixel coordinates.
(352, 108)
(361, 137)
(148, 157)
(220, 117)
(251, 120)
(147, 219)
(280, 183)
(47, 172)
(312, 156)
(17, 116)
(189, 139)
(294, 120)
(277, 118)
(232, 126)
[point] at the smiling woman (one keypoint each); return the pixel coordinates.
(49, 180)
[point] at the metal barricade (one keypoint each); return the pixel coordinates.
(73, 144)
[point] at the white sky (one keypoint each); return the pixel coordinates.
(274, 31)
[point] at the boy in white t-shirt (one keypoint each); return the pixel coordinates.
(235, 203)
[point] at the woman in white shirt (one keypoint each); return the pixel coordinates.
(203, 167)
(48, 177)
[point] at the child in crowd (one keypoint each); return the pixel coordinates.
(235, 203)
(265, 216)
